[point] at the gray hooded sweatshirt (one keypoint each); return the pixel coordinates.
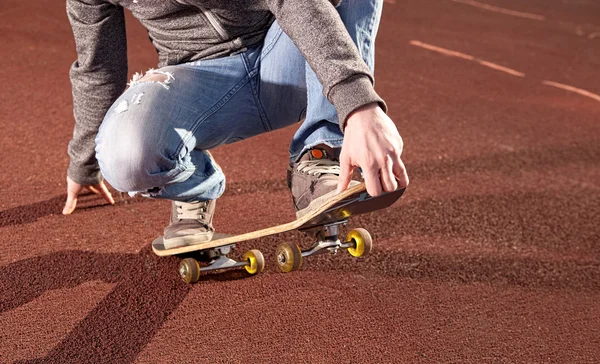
(188, 30)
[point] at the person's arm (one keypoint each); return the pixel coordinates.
(98, 77)
(371, 139)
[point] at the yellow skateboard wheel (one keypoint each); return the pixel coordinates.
(256, 261)
(363, 243)
(189, 270)
(289, 257)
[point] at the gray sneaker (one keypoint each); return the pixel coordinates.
(314, 179)
(191, 223)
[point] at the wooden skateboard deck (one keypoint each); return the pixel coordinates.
(353, 201)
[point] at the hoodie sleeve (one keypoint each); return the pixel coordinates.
(98, 77)
(319, 33)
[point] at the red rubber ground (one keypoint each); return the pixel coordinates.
(492, 255)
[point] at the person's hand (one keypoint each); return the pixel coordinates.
(372, 142)
(74, 189)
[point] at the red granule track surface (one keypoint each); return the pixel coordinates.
(492, 255)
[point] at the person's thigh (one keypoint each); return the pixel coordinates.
(151, 135)
(282, 90)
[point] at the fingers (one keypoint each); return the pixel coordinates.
(93, 190)
(400, 172)
(345, 173)
(372, 181)
(71, 202)
(388, 181)
(73, 190)
(105, 193)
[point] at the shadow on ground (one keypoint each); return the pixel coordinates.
(30, 213)
(148, 289)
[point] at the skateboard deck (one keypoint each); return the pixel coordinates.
(339, 208)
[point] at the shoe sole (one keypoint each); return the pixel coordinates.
(187, 240)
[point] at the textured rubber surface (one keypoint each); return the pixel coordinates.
(492, 255)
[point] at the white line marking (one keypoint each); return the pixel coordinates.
(501, 10)
(442, 50)
(451, 53)
(573, 89)
(500, 68)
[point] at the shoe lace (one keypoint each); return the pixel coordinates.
(319, 167)
(192, 211)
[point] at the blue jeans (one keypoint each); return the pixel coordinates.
(155, 137)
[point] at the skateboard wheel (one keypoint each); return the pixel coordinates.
(189, 270)
(256, 261)
(363, 243)
(289, 257)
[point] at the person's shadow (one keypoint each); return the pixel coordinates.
(146, 293)
(147, 290)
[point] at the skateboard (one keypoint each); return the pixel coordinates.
(323, 223)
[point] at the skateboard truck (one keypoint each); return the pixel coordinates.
(358, 243)
(327, 240)
(190, 269)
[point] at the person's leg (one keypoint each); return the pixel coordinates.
(282, 84)
(361, 18)
(154, 139)
(291, 90)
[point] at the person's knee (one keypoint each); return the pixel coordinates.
(128, 156)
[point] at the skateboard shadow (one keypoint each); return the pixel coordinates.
(148, 289)
(522, 224)
(519, 272)
(224, 276)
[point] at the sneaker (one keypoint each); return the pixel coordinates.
(191, 223)
(314, 179)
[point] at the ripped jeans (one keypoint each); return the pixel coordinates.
(155, 137)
